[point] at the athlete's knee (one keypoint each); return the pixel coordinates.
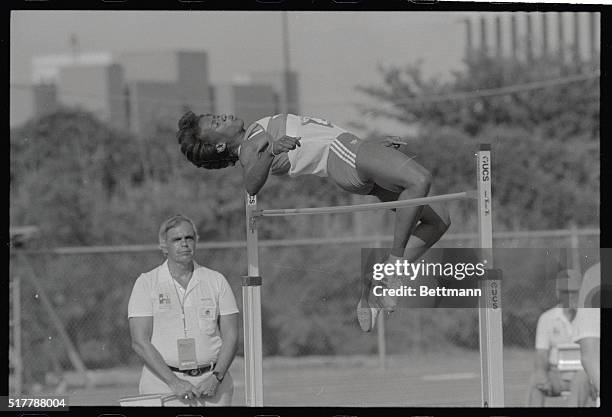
(425, 179)
(418, 181)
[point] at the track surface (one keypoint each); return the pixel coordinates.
(450, 379)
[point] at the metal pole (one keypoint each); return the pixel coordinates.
(544, 35)
(483, 36)
(561, 37)
(251, 310)
(489, 313)
(575, 245)
(513, 38)
(17, 359)
(382, 341)
(498, 38)
(577, 54)
(529, 38)
(287, 108)
(469, 47)
(380, 331)
(593, 36)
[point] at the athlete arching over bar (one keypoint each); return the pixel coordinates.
(286, 144)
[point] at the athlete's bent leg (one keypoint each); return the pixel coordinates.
(397, 173)
(433, 223)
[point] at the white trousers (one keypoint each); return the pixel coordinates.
(151, 384)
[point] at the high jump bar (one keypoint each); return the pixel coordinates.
(465, 195)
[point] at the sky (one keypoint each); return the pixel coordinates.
(333, 52)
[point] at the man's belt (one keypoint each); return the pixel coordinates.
(194, 372)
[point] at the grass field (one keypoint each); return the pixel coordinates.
(431, 379)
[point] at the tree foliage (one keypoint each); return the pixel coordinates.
(545, 139)
(467, 102)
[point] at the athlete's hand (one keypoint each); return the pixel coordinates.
(393, 141)
(183, 389)
(399, 144)
(285, 144)
(208, 387)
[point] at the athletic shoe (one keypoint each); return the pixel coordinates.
(389, 302)
(366, 315)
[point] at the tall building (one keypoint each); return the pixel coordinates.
(45, 98)
(258, 94)
(96, 88)
(278, 80)
(46, 68)
(248, 101)
(573, 37)
(141, 91)
(162, 85)
(90, 81)
(137, 91)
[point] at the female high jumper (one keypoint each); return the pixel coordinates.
(291, 145)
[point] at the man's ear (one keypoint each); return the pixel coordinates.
(163, 247)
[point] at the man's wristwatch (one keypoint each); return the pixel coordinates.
(216, 374)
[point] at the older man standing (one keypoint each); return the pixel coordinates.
(184, 323)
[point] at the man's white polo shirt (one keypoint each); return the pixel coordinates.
(554, 328)
(208, 295)
(587, 322)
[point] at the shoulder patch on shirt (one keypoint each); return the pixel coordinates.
(257, 130)
(253, 130)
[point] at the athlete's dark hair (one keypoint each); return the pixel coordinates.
(195, 147)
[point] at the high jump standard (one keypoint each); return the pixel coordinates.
(489, 312)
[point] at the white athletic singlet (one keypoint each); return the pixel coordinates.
(309, 158)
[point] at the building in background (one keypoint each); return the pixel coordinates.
(95, 88)
(45, 98)
(162, 85)
(258, 94)
(91, 81)
(572, 37)
(134, 91)
(248, 101)
(141, 91)
(277, 80)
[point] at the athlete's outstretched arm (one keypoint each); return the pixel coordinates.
(256, 161)
(257, 155)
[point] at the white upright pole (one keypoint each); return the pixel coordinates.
(380, 330)
(490, 312)
(251, 310)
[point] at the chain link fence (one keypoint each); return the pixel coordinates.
(73, 309)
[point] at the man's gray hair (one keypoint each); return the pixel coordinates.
(171, 223)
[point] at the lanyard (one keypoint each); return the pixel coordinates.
(182, 304)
